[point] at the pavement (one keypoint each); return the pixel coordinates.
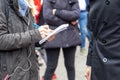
(80, 65)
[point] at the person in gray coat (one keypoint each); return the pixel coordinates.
(18, 60)
(56, 13)
(104, 51)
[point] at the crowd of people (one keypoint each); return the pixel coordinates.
(23, 23)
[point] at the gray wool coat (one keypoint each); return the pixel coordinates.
(17, 41)
(104, 49)
(66, 12)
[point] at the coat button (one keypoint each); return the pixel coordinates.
(105, 60)
(104, 41)
(107, 2)
(67, 45)
(54, 1)
(105, 23)
(70, 2)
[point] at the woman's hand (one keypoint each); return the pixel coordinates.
(44, 31)
(88, 73)
(74, 22)
(52, 37)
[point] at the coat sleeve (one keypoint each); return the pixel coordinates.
(90, 51)
(69, 15)
(10, 41)
(89, 56)
(49, 17)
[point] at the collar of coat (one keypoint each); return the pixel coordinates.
(14, 5)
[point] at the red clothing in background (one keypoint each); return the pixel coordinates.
(38, 5)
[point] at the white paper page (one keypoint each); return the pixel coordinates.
(57, 30)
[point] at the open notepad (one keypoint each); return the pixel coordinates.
(57, 30)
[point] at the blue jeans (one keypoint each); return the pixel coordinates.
(83, 27)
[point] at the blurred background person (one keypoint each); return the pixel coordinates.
(83, 4)
(39, 16)
(40, 51)
(56, 13)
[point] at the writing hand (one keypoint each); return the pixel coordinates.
(44, 31)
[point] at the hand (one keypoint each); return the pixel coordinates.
(74, 22)
(53, 11)
(52, 37)
(44, 31)
(88, 73)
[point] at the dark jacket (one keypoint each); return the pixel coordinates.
(17, 43)
(67, 11)
(104, 49)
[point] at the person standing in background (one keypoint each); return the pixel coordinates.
(56, 13)
(83, 24)
(39, 16)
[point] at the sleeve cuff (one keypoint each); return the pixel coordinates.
(35, 36)
(88, 60)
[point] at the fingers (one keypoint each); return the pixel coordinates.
(45, 26)
(88, 73)
(45, 31)
(74, 22)
(52, 37)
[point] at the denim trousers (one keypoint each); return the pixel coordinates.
(83, 28)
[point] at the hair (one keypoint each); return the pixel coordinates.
(31, 5)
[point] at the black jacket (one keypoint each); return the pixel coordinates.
(104, 49)
(17, 43)
(67, 11)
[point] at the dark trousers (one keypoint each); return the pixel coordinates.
(52, 61)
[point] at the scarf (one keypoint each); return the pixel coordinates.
(24, 4)
(22, 7)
